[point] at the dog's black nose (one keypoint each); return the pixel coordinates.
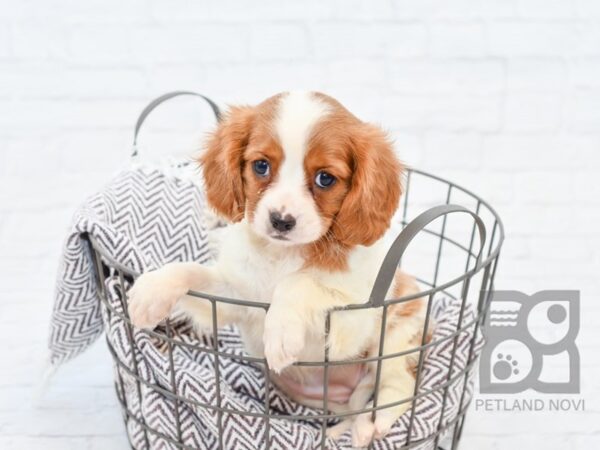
(282, 224)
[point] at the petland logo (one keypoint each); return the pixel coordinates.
(530, 345)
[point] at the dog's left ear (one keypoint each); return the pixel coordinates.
(375, 188)
(222, 162)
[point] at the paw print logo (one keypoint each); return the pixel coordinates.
(505, 367)
(522, 333)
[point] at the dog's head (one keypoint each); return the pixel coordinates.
(301, 168)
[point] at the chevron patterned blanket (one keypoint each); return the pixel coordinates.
(144, 219)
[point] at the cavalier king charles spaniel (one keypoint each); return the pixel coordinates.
(310, 191)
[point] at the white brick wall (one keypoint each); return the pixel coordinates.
(502, 96)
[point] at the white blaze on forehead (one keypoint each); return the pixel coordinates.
(297, 115)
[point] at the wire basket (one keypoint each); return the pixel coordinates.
(449, 255)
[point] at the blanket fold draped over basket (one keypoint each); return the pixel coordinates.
(145, 218)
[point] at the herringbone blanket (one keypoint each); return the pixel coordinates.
(144, 219)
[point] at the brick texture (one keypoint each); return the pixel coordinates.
(502, 96)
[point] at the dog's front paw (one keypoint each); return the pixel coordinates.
(335, 432)
(386, 419)
(152, 298)
(363, 430)
(283, 341)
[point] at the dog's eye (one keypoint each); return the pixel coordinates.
(261, 167)
(324, 179)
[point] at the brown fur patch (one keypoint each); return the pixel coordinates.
(358, 208)
(413, 360)
(369, 171)
(405, 285)
(326, 254)
(243, 133)
(222, 162)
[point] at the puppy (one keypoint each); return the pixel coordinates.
(310, 190)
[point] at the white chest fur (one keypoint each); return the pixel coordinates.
(253, 267)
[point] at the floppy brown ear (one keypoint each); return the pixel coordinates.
(375, 189)
(222, 162)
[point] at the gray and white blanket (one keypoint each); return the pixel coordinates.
(144, 219)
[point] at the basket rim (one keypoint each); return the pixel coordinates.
(485, 263)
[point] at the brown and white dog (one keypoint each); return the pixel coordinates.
(311, 191)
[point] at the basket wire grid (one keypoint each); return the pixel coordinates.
(476, 269)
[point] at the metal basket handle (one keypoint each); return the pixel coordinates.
(390, 263)
(163, 98)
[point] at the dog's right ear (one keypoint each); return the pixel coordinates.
(222, 162)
